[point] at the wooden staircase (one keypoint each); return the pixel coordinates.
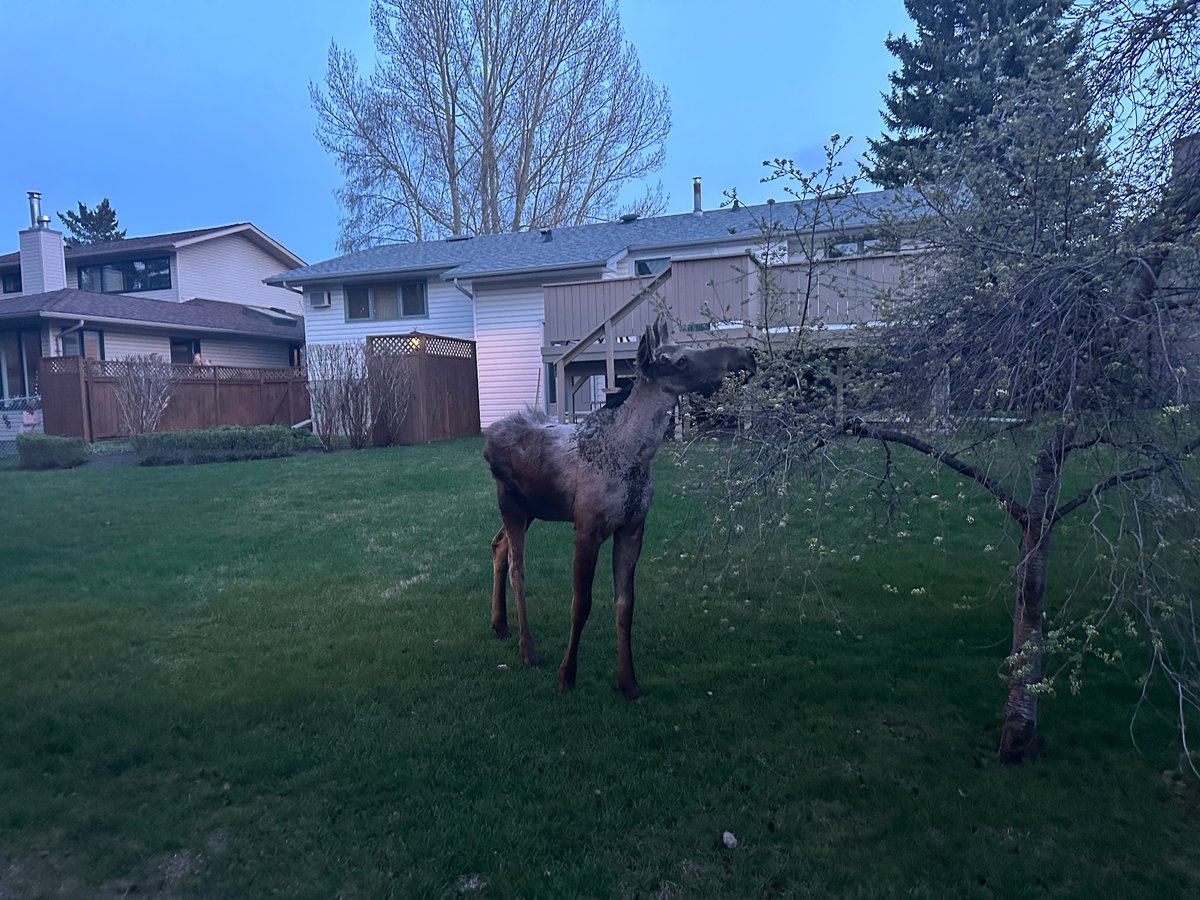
(605, 331)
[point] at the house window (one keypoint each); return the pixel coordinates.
(12, 283)
(386, 302)
(127, 276)
(651, 266)
(88, 343)
(184, 351)
(20, 354)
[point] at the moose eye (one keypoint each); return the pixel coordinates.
(681, 363)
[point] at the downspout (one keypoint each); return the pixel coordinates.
(462, 290)
(65, 332)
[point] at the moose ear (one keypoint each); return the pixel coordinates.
(663, 329)
(645, 351)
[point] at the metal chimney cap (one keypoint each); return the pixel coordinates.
(36, 219)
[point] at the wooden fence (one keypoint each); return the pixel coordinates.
(79, 397)
(445, 386)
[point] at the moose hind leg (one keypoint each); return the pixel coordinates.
(499, 584)
(515, 523)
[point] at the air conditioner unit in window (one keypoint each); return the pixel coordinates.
(320, 300)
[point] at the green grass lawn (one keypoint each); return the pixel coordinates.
(278, 678)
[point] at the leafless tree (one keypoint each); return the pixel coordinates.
(389, 384)
(1145, 64)
(143, 390)
(325, 366)
(355, 394)
(487, 116)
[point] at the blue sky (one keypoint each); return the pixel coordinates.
(191, 114)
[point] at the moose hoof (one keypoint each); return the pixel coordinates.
(501, 629)
(529, 655)
(566, 681)
(631, 691)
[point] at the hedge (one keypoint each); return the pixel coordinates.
(224, 444)
(50, 451)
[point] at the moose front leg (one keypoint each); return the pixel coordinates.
(499, 584)
(587, 548)
(627, 547)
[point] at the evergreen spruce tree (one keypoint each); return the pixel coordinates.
(967, 57)
(92, 226)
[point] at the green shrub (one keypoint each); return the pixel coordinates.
(224, 444)
(50, 451)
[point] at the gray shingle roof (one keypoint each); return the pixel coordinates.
(137, 245)
(197, 314)
(586, 245)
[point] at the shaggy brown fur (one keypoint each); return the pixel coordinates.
(596, 475)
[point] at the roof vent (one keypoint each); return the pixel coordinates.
(696, 207)
(629, 217)
(459, 237)
(547, 235)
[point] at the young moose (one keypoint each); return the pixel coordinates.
(596, 475)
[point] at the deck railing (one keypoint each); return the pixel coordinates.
(602, 320)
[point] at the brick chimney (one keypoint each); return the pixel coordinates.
(43, 263)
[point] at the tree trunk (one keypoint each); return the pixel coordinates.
(1019, 739)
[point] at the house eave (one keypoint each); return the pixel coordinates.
(67, 316)
(255, 236)
(336, 279)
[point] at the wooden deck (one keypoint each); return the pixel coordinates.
(721, 298)
(593, 327)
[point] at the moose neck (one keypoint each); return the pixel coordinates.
(641, 420)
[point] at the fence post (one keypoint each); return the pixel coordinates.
(85, 398)
(216, 394)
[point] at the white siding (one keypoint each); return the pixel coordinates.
(450, 314)
(231, 351)
(508, 334)
(120, 344)
(220, 350)
(231, 268)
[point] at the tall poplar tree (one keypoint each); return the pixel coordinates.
(488, 116)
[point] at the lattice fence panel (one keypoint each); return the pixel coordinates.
(416, 343)
(436, 345)
(395, 344)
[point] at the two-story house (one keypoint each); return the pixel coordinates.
(557, 311)
(183, 296)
